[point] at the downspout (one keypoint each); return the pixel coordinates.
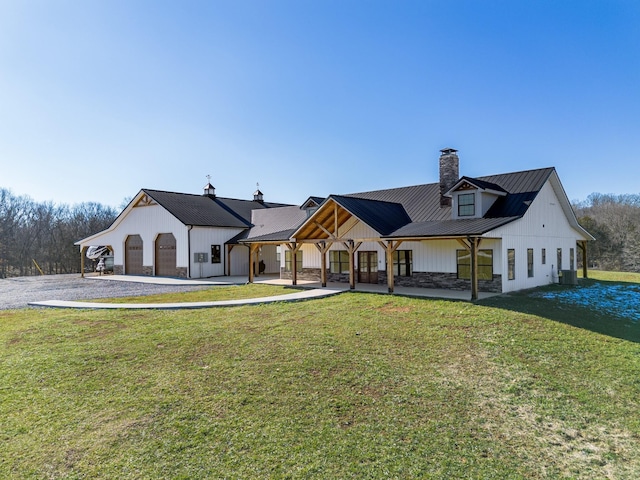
(189, 251)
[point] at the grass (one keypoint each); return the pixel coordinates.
(351, 386)
(212, 294)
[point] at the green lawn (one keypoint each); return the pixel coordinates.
(211, 294)
(351, 386)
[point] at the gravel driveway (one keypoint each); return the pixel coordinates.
(17, 292)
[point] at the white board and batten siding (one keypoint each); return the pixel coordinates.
(203, 238)
(428, 255)
(148, 222)
(544, 226)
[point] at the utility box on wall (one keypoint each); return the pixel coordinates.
(202, 257)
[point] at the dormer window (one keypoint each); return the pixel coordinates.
(466, 205)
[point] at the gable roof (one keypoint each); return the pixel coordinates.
(275, 224)
(384, 217)
(476, 182)
(415, 211)
(208, 211)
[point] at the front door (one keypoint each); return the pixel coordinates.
(368, 267)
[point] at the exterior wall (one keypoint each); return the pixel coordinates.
(239, 260)
(483, 202)
(148, 222)
(201, 240)
(268, 255)
(545, 225)
(434, 263)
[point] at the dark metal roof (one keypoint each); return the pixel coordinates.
(207, 211)
(312, 199)
(422, 204)
(273, 223)
(451, 228)
(384, 217)
(481, 184)
(415, 211)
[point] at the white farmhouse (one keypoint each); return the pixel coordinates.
(498, 233)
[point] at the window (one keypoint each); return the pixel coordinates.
(559, 259)
(511, 264)
(530, 262)
(215, 254)
(485, 264)
(402, 263)
(287, 261)
(466, 205)
(544, 256)
(571, 259)
(339, 261)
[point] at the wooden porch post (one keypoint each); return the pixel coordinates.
(352, 265)
(390, 249)
(584, 259)
(473, 243)
(229, 248)
(294, 263)
(253, 248)
(323, 248)
(351, 247)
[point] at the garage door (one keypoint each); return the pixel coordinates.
(166, 255)
(133, 255)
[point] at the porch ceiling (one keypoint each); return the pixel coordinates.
(325, 223)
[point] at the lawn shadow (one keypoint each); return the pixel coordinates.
(609, 308)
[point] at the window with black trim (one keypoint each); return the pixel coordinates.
(485, 264)
(572, 259)
(466, 205)
(216, 256)
(287, 261)
(544, 256)
(511, 264)
(403, 263)
(560, 259)
(339, 261)
(530, 262)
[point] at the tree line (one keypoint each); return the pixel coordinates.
(614, 221)
(40, 236)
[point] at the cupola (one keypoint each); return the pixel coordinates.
(209, 190)
(257, 195)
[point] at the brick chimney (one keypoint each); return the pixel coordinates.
(449, 173)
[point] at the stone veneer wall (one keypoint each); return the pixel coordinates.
(338, 277)
(312, 274)
(181, 272)
(447, 281)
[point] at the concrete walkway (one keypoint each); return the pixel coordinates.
(290, 297)
(306, 290)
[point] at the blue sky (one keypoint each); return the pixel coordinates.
(99, 99)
